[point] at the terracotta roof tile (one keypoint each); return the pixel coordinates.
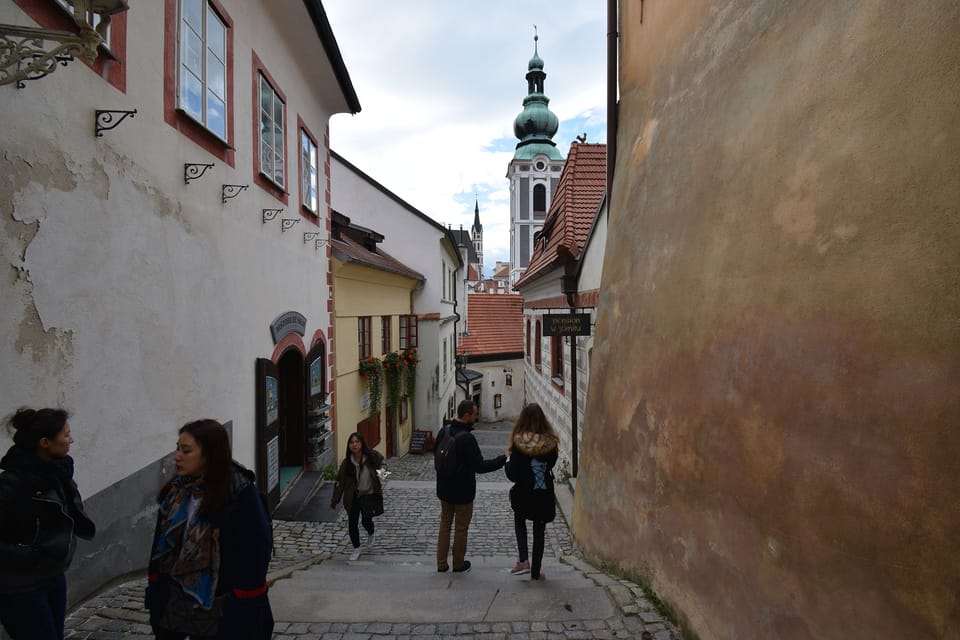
(346, 249)
(572, 210)
(494, 324)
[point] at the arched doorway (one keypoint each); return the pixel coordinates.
(292, 415)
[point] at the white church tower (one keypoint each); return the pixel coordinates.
(535, 169)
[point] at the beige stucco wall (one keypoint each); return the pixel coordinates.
(363, 291)
(777, 454)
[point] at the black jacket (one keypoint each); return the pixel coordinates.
(245, 548)
(462, 487)
(532, 498)
(41, 514)
(346, 485)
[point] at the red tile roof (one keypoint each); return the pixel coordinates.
(346, 249)
(494, 324)
(572, 210)
(503, 273)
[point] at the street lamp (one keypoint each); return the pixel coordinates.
(463, 358)
(25, 52)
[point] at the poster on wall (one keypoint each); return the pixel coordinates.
(273, 463)
(272, 403)
(316, 377)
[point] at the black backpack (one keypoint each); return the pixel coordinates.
(445, 458)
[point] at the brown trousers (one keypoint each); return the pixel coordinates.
(458, 515)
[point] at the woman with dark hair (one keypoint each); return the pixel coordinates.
(357, 477)
(41, 515)
(211, 547)
(532, 454)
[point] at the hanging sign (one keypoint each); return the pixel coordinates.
(573, 324)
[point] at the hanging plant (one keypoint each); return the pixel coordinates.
(410, 372)
(393, 370)
(372, 371)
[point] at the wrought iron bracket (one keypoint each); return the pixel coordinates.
(287, 223)
(319, 243)
(232, 191)
(193, 170)
(270, 214)
(104, 120)
(310, 235)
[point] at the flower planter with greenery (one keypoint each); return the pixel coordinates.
(410, 360)
(372, 370)
(393, 376)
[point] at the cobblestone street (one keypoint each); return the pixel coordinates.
(408, 528)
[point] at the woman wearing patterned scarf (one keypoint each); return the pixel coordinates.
(211, 546)
(41, 515)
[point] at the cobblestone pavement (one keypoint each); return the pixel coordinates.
(408, 526)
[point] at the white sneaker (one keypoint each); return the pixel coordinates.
(370, 540)
(355, 554)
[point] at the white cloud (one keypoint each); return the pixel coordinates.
(440, 83)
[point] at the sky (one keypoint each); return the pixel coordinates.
(440, 83)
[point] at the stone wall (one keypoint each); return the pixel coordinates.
(772, 426)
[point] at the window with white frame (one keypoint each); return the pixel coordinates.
(444, 358)
(202, 92)
(309, 172)
(271, 133)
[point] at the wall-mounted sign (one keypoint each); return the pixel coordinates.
(288, 322)
(573, 324)
(316, 377)
(271, 406)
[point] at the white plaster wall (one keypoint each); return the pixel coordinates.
(593, 253)
(131, 299)
(494, 382)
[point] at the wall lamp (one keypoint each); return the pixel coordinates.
(30, 53)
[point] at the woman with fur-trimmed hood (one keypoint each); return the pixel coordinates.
(532, 454)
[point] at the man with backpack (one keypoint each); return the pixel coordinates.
(457, 460)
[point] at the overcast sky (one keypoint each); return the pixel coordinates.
(440, 83)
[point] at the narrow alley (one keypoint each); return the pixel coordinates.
(394, 590)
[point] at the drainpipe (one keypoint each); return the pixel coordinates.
(568, 286)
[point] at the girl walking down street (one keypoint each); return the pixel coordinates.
(532, 453)
(358, 483)
(211, 547)
(41, 515)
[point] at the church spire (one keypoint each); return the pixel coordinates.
(476, 216)
(536, 125)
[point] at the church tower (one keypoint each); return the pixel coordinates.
(476, 234)
(535, 169)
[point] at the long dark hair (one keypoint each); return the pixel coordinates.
(30, 426)
(531, 420)
(215, 446)
(364, 449)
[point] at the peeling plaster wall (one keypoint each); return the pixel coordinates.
(135, 301)
(777, 455)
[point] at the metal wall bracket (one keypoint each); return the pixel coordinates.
(104, 120)
(319, 243)
(287, 223)
(192, 171)
(310, 235)
(232, 191)
(270, 214)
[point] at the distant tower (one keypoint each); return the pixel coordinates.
(476, 234)
(535, 168)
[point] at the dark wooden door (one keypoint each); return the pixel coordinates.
(268, 429)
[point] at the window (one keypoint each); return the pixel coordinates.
(309, 173)
(536, 347)
(271, 132)
(556, 359)
(539, 201)
(202, 92)
(497, 401)
(445, 359)
(528, 339)
(363, 337)
(509, 380)
(408, 332)
(385, 337)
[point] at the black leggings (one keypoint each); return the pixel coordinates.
(352, 517)
(539, 532)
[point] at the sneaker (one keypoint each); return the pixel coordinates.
(520, 568)
(355, 554)
(464, 568)
(370, 540)
(442, 569)
(542, 576)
